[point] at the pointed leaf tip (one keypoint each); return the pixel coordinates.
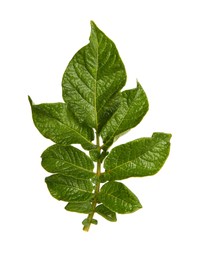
(30, 100)
(92, 23)
(92, 78)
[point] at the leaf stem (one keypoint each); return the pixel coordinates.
(97, 188)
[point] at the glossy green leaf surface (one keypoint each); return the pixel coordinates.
(118, 198)
(142, 157)
(69, 189)
(79, 207)
(67, 160)
(92, 78)
(56, 122)
(133, 107)
(106, 213)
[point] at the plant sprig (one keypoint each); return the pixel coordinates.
(95, 109)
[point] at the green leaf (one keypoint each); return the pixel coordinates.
(118, 198)
(103, 155)
(94, 221)
(94, 154)
(142, 157)
(80, 207)
(133, 107)
(108, 110)
(68, 161)
(106, 213)
(56, 122)
(93, 77)
(95, 107)
(68, 188)
(86, 222)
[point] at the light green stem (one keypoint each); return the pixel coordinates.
(97, 188)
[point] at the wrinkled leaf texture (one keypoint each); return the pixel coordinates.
(92, 80)
(68, 188)
(54, 121)
(133, 107)
(141, 157)
(67, 160)
(91, 89)
(79, 207)
(118, 198)
(106, 213)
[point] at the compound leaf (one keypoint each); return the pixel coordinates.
(68, 188)
(92, 78)
(141, 157)
(67, 160)
(80, 207)
(106, 213)
(91, 89)
(56, 122)
(133, 107)
(118, 198)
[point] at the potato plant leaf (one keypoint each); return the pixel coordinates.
(142, 157)
(94, 114)
(79, 207)
(56, 122)
(67, 160)
(133, 107)
(92, 78)
(68, 188)
(118, 198)
(106, 213)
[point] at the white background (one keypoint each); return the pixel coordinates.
(158, 42)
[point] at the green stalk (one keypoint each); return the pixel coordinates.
(97, 189)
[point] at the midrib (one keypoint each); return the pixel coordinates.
(95, 87)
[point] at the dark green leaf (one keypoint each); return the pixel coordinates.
(67, 188)
(92, 78)
(94, 154)
(80, 207)
(118, 198)
(55, 121)
(91, 89)
(142, 157)
(103, 155)
(133, 107)
(106, 213)
(67, 160)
